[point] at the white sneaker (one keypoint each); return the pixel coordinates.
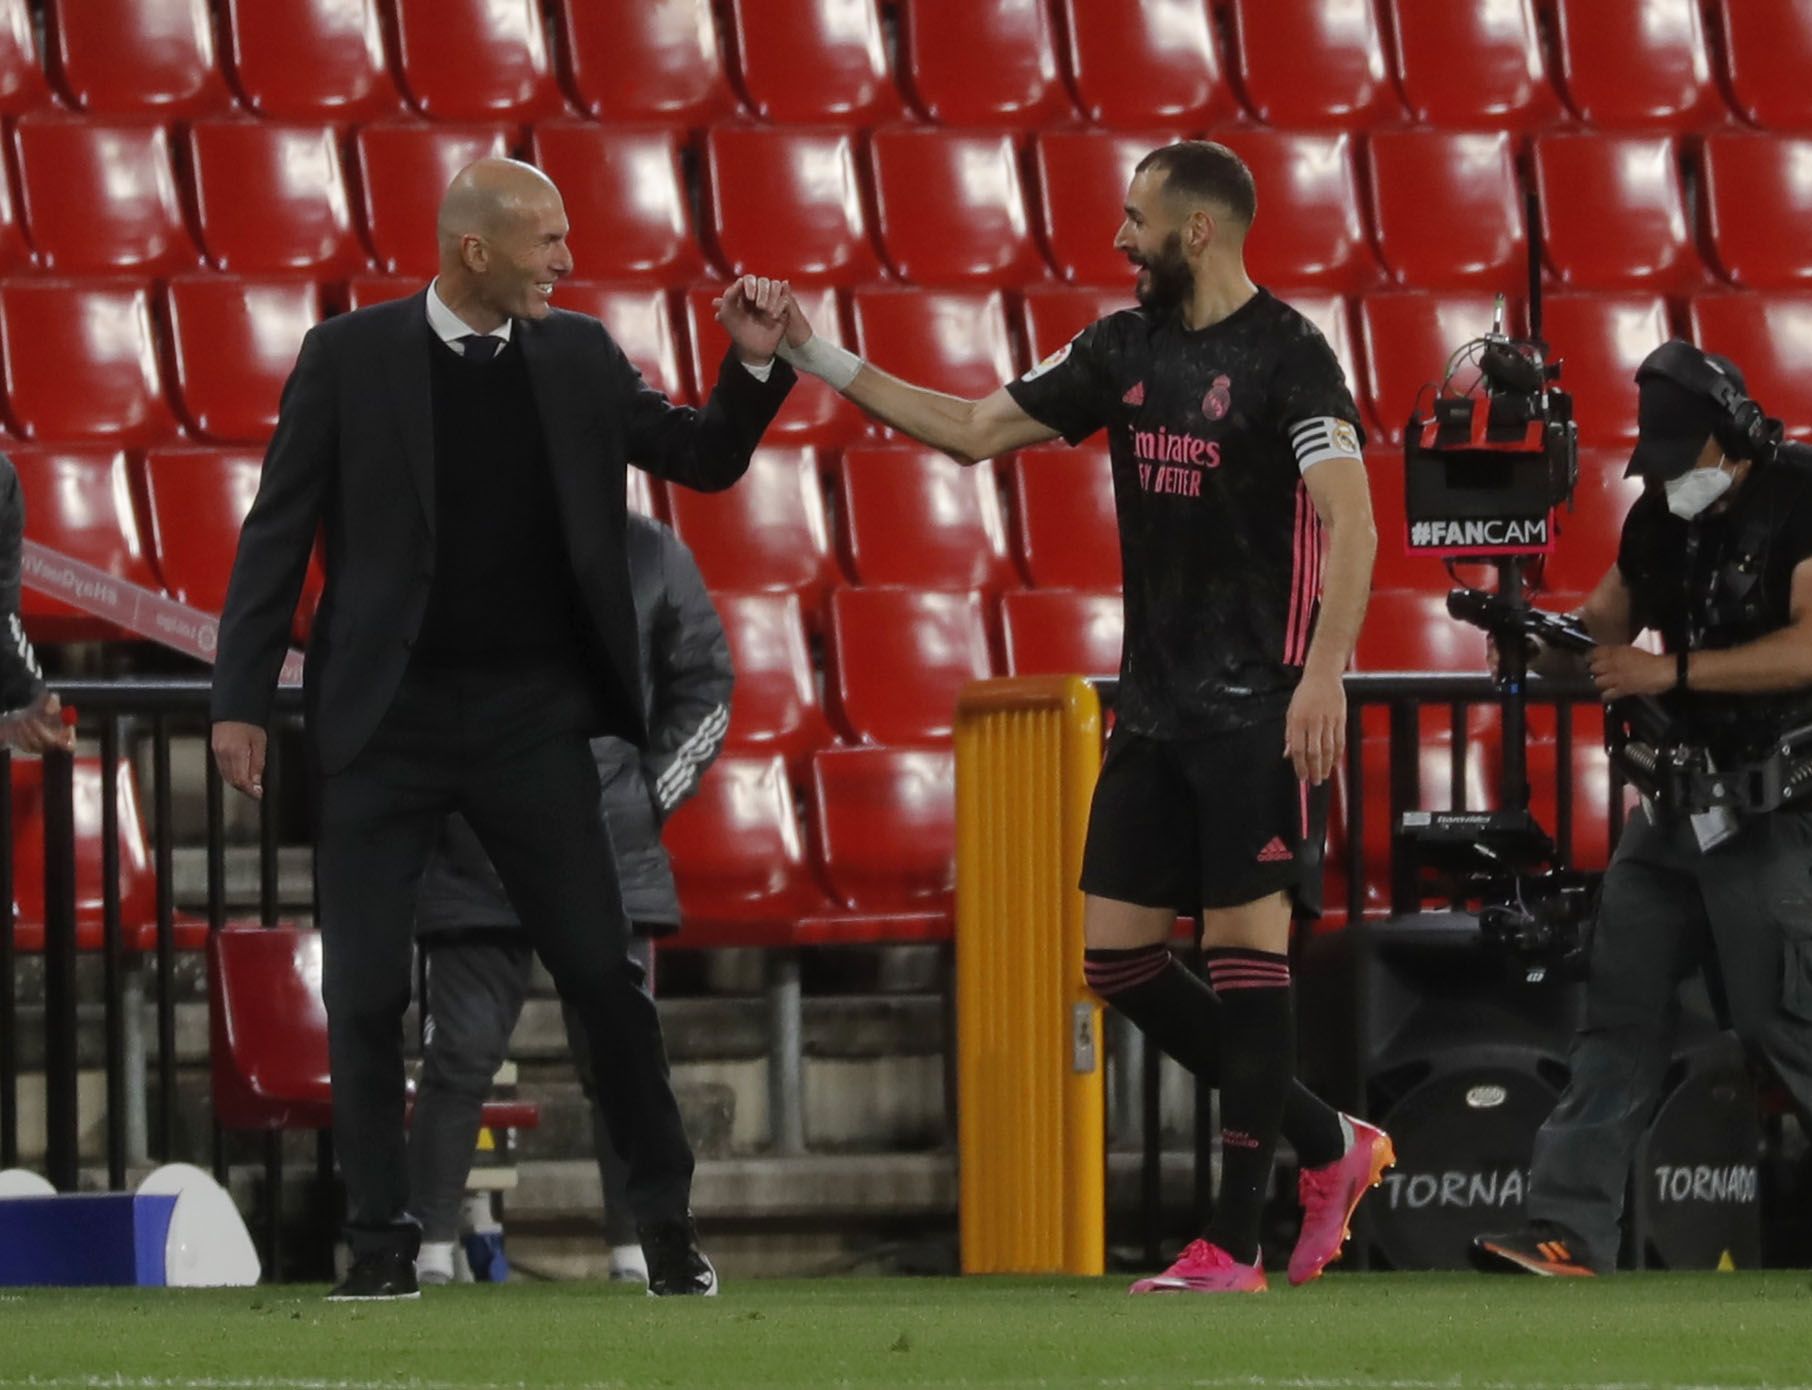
(628, 1265)
(434, 1265)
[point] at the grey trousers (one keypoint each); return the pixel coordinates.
(477, 981)
(1744, 913)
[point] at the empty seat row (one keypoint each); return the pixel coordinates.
(1426, 209)
(119, 361)
(1130, 63)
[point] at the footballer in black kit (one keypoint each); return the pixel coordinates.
(1247, 542)
(1211, 432)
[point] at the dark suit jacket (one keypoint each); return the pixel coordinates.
(353, 455)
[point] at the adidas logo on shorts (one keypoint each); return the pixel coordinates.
(1277, 852)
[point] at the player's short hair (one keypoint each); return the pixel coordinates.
(1207, 171)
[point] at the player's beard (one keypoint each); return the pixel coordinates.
(1168, 281)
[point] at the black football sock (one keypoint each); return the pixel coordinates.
(1256, 1065)
(1177, 1010)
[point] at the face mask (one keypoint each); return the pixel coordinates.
(1695, 490)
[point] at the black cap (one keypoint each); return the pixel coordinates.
(1675, 409)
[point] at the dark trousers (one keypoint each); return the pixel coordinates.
(477, 981)
(1744, 911)
(509, 751)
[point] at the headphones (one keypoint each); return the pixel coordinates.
(1744, 431)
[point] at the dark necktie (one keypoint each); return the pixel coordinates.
(480, 347)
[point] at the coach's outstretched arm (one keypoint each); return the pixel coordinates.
(968, 431)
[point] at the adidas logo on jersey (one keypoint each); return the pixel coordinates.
(1277, 852)
(1135, 396)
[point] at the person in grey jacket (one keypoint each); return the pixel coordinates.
(31, 719)
(478, 961)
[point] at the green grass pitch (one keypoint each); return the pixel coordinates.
(1348, 1332)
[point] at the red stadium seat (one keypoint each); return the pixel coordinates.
(1309, 64)
(81, 362)
(813, 413)
(1062, 632)
(268, 1034)
(1758, 196)
(1068, 535)
(897, 660)
(775, 706)
(1408, 338)
(640, 319)
(656, 61)
(788, 203)
(78, 501)
(234, 341)
(1768, 49)
(404, 169)
(362, 291)
(1139, 64)
(1588, 533)
(22, 84)
(947, 340)
(739, 858)
(823, 60)
(151, 56)
(1769, 336)
(950, 209)
(625, 200)
(886, 822)
(1056, 313)
(273, 197)
(1082, 181)
(989, 65)
(1408, 630)
(1311, 221)
(1613, 215)
(1448, 210)
(911, 516)
(15, 254)
(137, 874)
(1600, 340)
(768, 533)
(1637, 64)
(476, 60)
(100, 195)
(197, 501)
(312, 60)
(1473, 64)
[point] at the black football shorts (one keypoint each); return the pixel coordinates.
(1204, 823)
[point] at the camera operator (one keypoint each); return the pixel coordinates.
(1715, 556)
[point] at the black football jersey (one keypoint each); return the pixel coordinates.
(1220, 544)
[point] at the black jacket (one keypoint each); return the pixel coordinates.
(20, 679)
(353, 456)
(686, 680)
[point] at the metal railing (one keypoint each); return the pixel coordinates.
(119, 715)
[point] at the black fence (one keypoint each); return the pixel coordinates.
(129, 715)
(126, 715)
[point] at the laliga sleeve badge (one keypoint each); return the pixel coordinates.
(1055, 359)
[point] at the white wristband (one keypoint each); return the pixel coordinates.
(837, 365)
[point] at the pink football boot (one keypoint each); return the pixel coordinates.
(1331, 1193)
(1205, 1268)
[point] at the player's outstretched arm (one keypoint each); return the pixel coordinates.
(968, 431)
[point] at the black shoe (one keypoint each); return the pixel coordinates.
(381, 1274)
(676, 1266)
(1541, 1247)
